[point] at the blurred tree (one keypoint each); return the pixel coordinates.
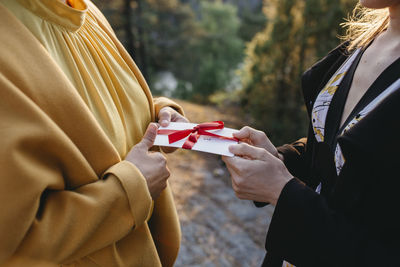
(217, 51)
(168, 29)
(297, 33)
(252, 22)
(130, 41)
(200, 42)
(155, 32)
(201, 51)
(252, 19)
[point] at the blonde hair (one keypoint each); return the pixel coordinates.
(364, 25)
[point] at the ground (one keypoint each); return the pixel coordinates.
(218, 229)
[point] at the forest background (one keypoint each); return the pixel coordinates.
(242, 55)
(245, 55)
(239, 61)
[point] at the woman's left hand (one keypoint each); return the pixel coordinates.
(167, 115)
(256, 174)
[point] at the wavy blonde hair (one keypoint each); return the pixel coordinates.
(363, 25)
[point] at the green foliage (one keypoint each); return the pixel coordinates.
(217, 52)
(170, 29)
(200, 51)
(297, 33)
(252, 23)
(200, 42)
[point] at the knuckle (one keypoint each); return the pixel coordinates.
(167, 173)
(243, 146)
(240, 183)
(261, 134)
(239, 195)
(247, 146)
(238, 191)
(263, 153)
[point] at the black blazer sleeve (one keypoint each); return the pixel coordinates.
(362, 231)
(295, 157)
(356, 224)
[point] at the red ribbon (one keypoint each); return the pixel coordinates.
(194, 133)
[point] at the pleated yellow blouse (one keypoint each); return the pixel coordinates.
(91, 61)
(50, 160)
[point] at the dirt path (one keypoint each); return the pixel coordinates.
(217, 228)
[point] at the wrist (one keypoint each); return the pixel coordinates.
(279, 187)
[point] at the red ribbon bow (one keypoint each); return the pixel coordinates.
(194, 133)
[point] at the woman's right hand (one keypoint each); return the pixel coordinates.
(256, 174)
(258, 139)
(153, 165)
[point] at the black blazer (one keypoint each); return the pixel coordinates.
(355, 220)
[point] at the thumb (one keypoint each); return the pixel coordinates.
(149, 136)
(164, 116)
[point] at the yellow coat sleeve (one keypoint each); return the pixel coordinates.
(42, 216)
(53, 204)
(161, 102)
(64, 191)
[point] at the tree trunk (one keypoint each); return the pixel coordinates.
(130, 39)
(141, 39)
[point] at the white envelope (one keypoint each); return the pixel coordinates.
(207, 144)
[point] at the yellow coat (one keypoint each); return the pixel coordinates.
(66, 196)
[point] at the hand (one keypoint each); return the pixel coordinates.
(256, 174)
(167, 115)
(258, 139)
(152, 165)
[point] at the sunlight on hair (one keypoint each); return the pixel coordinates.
(363, 25)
